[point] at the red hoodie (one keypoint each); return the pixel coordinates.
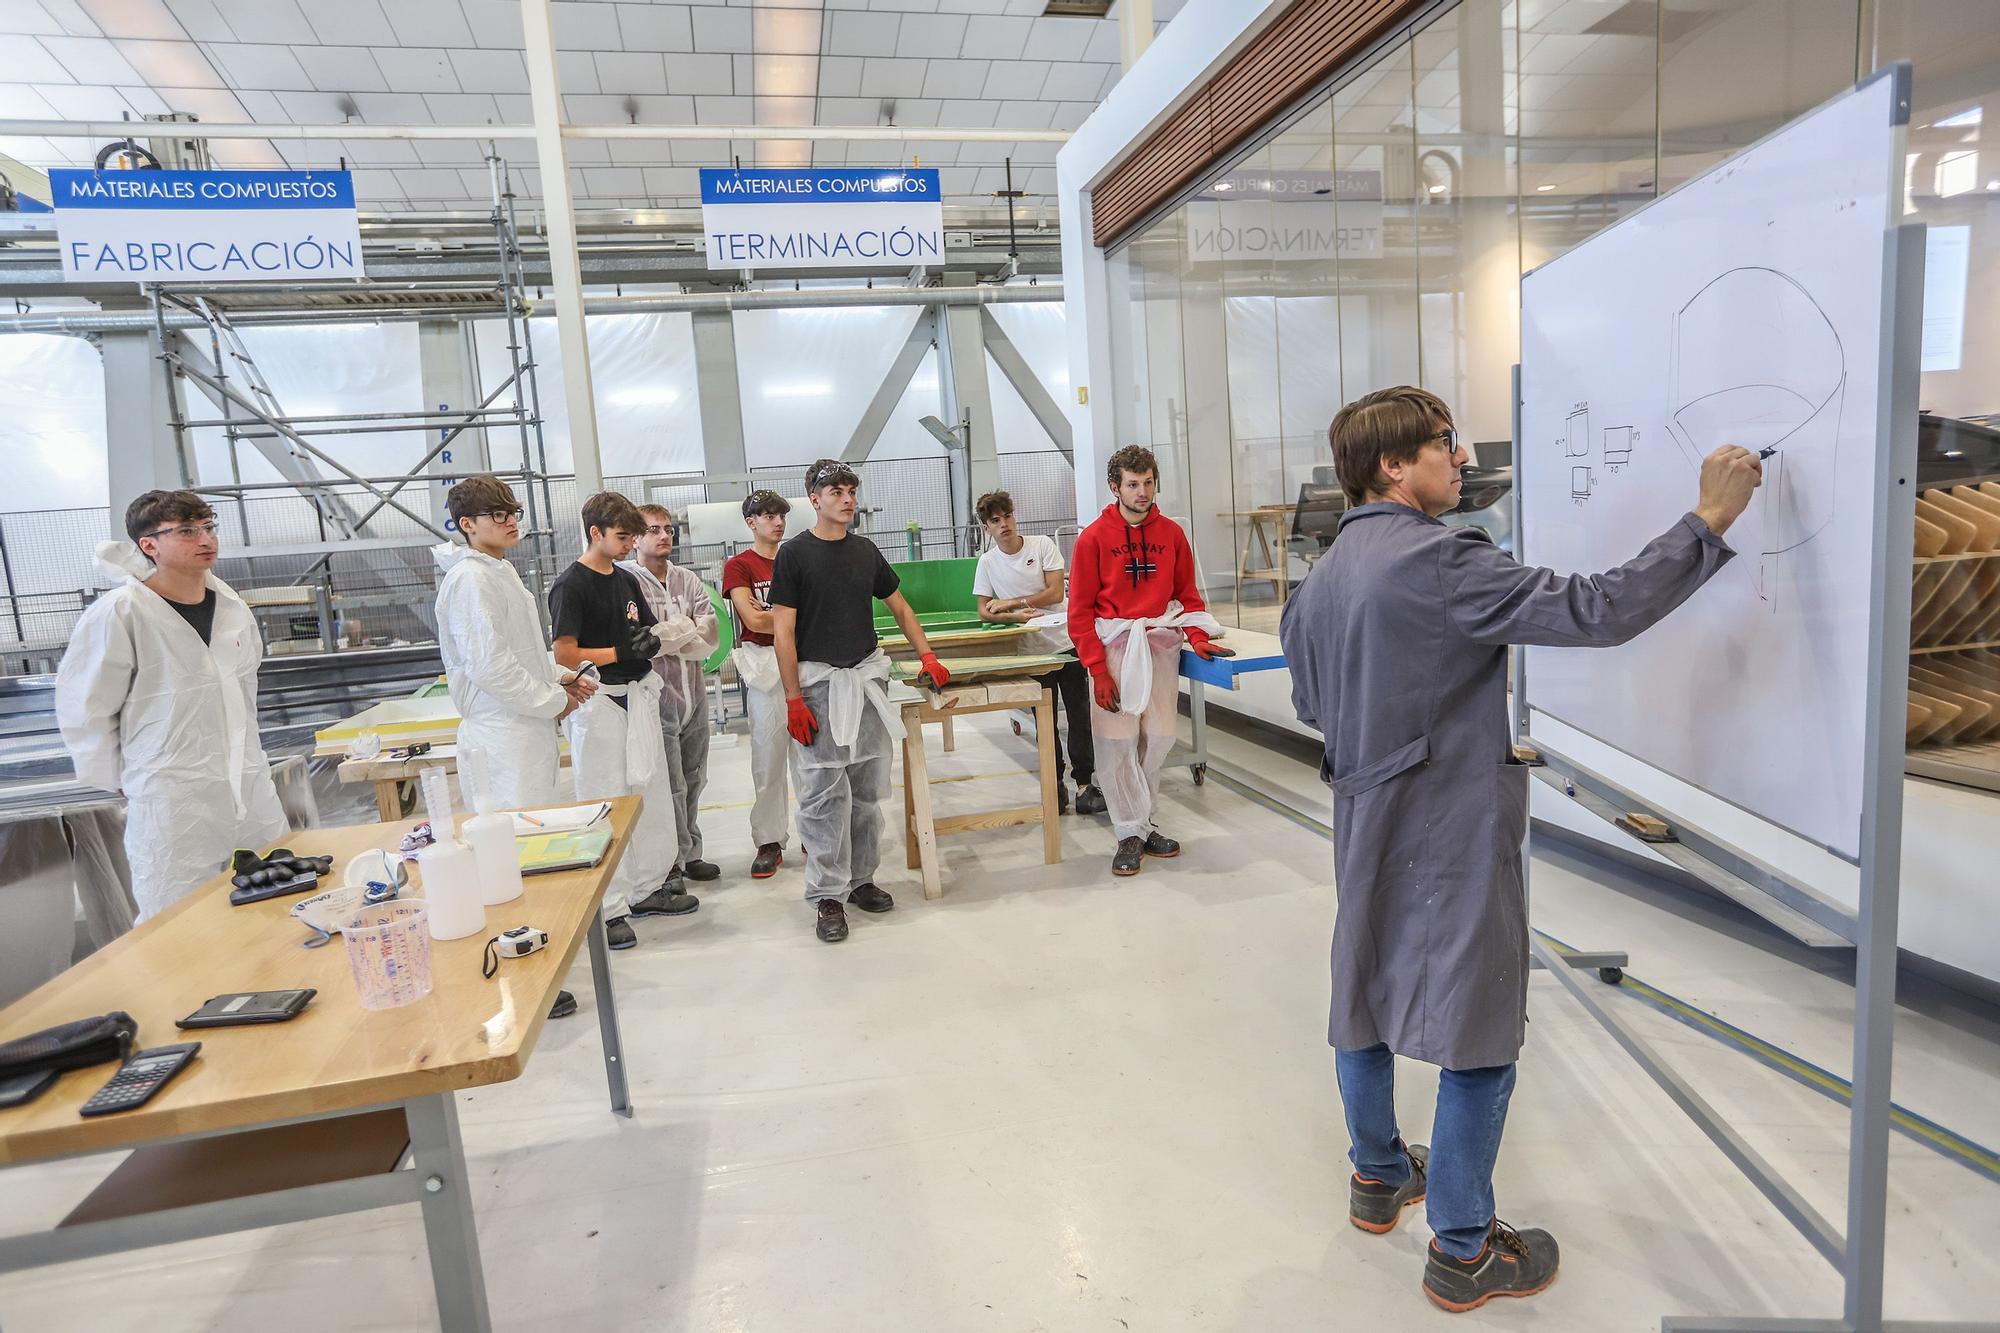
(1122, 572)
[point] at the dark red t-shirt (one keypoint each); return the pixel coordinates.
(749, 570)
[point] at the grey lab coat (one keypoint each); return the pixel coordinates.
(1397, 647)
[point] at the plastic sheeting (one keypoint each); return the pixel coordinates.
(807, 376)
(52, 431)
(643, 377)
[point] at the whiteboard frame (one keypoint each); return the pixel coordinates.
(1800, 896)
(1858, 1254)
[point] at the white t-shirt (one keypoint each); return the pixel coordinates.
(1021, 575)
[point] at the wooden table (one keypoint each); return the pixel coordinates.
(991, 694)
(986, 639)
(311, 1118)
(1263, 528)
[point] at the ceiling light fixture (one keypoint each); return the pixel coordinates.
(1544, 189)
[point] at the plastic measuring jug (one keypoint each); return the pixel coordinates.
(389, 952)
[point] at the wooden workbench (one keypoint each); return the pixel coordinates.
(310, 1118)
(1020, 687)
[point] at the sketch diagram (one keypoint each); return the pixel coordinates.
(1756, 362)
(1579, 483)
(1618, 445)
(1576, 443)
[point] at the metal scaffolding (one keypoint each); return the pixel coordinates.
(344, 501)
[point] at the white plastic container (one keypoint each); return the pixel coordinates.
(435, 784)
(451, 890)
(491, 838)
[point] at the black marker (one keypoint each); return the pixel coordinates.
(1766, 452)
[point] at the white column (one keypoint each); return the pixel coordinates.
(448, 366)
(565, 269)
(1135, 30)
(138, 432)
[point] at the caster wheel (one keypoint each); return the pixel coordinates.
(1611, 976)
(1199, 772)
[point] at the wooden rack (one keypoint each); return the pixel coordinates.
(1955, 621)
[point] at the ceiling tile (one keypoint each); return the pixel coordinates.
(700, 153)
(1072, 82)
(1069, 115)
(379, 152)
(1021, 115)
(453, 153)
(839, 76)
(431, 183)
(299, 108)
(463, 108)
(1019, 79)
(576, 71)
(429, 23)
(931, 35)
(614, 180)
(208, 103)
(341, 69)
(515, 108)
(144, 101)
(656, 27)
(482, 71)
(849, 110)
(71, 19)
(202, 20)
(586, 27)
(1103, 43)
(89, 60)
(265, 20)
(968, 114)
(785, 32)
(946, 77)
(745, 72)
(996, 38)
(265, 108)
(594, 108)
(495, 23)
(1057, 39)
(132, 18)
(688, 73)
(859, 33)
(26, 18)
(631, 72)
(26, 61)
(416, 69)
(641, 152)
(917, 110)
(684, 182)
(888, 77)
(352, 23)
(258, 66)
(721, 29)
(375, 186)
(72, 102)
(397, 108)
(170, 64)
(722, 111)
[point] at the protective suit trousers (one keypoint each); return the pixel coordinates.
(600, 763)
(686, 744)
(772, 756)
(840, 802)
(1131, 749)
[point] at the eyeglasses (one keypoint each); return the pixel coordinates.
(659, 529)
(1450, 438)
(502, 515)
(187, 532)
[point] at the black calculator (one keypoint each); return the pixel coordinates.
(143, 1074)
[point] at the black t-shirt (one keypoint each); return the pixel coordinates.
(596, 610)
(833, 587)
(200, 616)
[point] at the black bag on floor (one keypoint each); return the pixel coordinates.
(87, 1041)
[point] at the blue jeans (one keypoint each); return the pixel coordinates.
(1465, 1140)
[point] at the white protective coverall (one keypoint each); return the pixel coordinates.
(689, 631)
(146, 706)
(503, 681)
(773, 756)
(1132, 743)
(613, 752)
(844, 774)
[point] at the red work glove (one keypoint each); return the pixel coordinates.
(1199, 644)
(1104, 689)
(799, 720)
(932, 670)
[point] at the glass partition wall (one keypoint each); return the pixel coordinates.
(1377, 237)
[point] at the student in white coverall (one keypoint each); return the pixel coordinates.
(689, 632)
(746, 582)
(156, 697)
(509, 692)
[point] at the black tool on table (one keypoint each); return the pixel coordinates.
(142, 1076)
(274, 876)
(246, 1007)
(20, 1089)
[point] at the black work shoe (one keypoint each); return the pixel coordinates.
(1374, 1206)
(1514, 1263)
(870, 899)
(1089, 800)
(832, 924)
(667, 900)
(564, 1006)
(1159, 844)
(1126, 860)
(618, 933)
(702, 871)
(769, 857)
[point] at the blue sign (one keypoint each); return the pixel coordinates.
(852, 185)
(848, 217)
(204, 190)
(206, 226)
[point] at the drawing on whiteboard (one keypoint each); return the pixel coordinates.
(1577, 443)
(1579, 483)
(1618, 446)
(1756, 362)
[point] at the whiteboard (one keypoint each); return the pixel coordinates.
(1746, 307)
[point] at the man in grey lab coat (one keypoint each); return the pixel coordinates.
(1397, 646)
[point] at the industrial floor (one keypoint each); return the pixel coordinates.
(1054, 1101)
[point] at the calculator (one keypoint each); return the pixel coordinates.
(143, 1074)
